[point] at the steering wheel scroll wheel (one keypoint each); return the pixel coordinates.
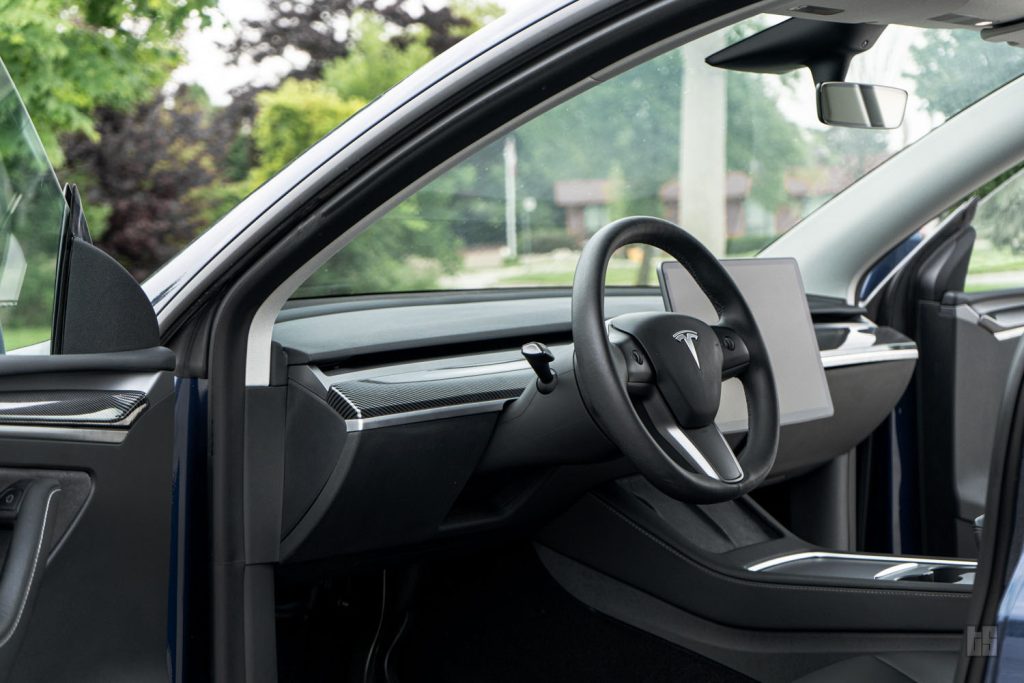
(653, 381)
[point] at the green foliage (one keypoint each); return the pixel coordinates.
(136, 181)
(31, 207)
(545, 241)
(943, 59)
(291, 119)
(375, 63)
(288, 121)
(68, 58)
(471, 15)
(760, 140)
(632, 119)
(626, 132)
(747, 244)
(402, 251)
(1000, 218)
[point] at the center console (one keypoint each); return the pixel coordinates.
(732, 563)
(862, 566)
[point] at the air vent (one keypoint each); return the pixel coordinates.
(815, 9)
(959, 19)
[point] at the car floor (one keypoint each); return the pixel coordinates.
(495, 616)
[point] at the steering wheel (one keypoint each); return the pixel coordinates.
(653, 381)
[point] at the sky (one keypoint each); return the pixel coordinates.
(207, 63)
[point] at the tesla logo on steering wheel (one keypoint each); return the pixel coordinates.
(688, 337)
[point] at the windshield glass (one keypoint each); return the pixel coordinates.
(31, 212)
(735, 158)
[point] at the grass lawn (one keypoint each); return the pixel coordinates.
(989, 259)
(17, 337)
(621, 273)
(993, 268)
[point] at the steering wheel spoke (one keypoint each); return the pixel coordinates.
(735, 356)
(636, 370)
(703, 449)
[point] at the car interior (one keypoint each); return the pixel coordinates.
(740, 470)
(598, 461)
(736, 472)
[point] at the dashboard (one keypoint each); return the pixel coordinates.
(424, 404)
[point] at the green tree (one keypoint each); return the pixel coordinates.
(942, 59)
(627, 130)
(404, 251)
(760, 140)
(136, 180)
(376, 63)
(71, 57)
(288, 121)
(291, 119)
(321, 29)
(999, 217)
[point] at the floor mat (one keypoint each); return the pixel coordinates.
(503, 618)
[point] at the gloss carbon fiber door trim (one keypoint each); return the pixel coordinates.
(71, 408)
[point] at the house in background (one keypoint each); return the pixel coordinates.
(586, 205)
(737, 189)
(586, 202)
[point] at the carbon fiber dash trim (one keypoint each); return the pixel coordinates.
(365, 398)
(71, 408)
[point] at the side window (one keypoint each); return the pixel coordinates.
(997, 261)
(31, 212)
(736, 158)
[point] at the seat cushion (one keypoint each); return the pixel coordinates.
(897, 667)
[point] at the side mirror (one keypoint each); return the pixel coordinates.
(858, 105)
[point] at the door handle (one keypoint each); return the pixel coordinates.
(28, 508)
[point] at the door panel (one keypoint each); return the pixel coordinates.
(86, 440)
(969, 363)
(918, 478)
(99, 442)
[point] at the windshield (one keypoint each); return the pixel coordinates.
(31, 212)
(735, 158)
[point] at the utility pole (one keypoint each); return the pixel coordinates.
(511, 238)
(702, 121)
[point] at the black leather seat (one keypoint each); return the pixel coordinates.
(897, 667)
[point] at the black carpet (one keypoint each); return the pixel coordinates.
(501, 617)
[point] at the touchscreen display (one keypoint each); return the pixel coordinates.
(775, 293)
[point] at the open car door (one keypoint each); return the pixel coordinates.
(86, 452)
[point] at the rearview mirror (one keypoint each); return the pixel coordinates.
(858, 105)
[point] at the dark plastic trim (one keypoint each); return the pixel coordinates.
(144, 360)
(824, 47)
